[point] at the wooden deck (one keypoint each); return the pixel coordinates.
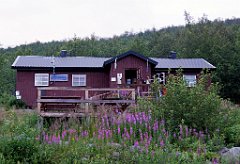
(56, 105)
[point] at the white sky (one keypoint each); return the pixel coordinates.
(26, 21)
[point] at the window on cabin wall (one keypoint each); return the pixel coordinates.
(191, 80)
(41, 79)
(79, 80)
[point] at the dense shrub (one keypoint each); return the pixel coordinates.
(17, 137)
(232, 127)
(19, 148)
(197, 107)
(10, 101)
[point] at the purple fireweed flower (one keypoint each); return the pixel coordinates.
(164, 131)
(123, 136)
(195, 134)
(84, 133)
(152, 153)
(149, 116)
(181, 130)
(166, 134)
(141, 136)
(140, 120)
(180, 138)
(64, 134)
(55, 139)
(162, 122)
(215, 161)
(149, 140)
(161, 143)
(119, 130)
(198, 151)
(146, 150)
(177, 154)
(136, 144)
(155, 126)
(137, 117)
(174, 135)
(149, 128)
(133, 119)
(146, 136)
(127, 135)
(76, 138)
(110, 133)
(71, 131)
(46, 137)
(186, 130)
(107, 134)
(52, 138)
(125, 129)
(145, 117)
(99, 134)
(127, 118)
(131, 130)
(200, 135)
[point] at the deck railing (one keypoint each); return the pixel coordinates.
(69, 95)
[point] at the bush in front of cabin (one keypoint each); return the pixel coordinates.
(18, 131)
(232, 128)
(198, 107)
(18, 148)
(9, 101)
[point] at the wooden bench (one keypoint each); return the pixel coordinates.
(61, 97)
(75, 103)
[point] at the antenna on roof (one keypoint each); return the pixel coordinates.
(53, 64)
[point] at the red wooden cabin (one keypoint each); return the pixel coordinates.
(129, 69)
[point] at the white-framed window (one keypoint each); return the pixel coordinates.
(79, 80)
(191, 80)
(41, 79)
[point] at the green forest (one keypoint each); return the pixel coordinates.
(217, 41)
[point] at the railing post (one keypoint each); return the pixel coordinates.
(86, 98)
(38, 98)
(133, 94)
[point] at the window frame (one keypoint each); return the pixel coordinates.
(82, 83)
(188, 82)
(40, 83)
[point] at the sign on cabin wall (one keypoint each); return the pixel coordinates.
(58, 77)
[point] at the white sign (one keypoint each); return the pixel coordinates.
(18, 97)
(119, 78)
(113, 79)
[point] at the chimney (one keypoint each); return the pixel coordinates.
(63, 53)
(173, 55)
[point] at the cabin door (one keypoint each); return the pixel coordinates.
(131, 76)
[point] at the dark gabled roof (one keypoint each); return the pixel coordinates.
(99, 62)
(130, 53)
(182, 63)
(60, 62)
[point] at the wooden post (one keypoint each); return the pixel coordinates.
(86, 98)
(38, 98)
(133, 94)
